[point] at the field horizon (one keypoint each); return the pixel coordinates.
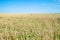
(27, 14)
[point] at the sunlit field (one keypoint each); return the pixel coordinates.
(30, 27)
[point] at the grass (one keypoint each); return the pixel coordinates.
(30, 27)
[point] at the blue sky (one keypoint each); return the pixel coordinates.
(29, 6)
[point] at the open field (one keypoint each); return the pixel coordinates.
(30, 27)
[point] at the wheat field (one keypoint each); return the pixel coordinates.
(29, 26)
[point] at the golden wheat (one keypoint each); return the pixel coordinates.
(30, 27)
